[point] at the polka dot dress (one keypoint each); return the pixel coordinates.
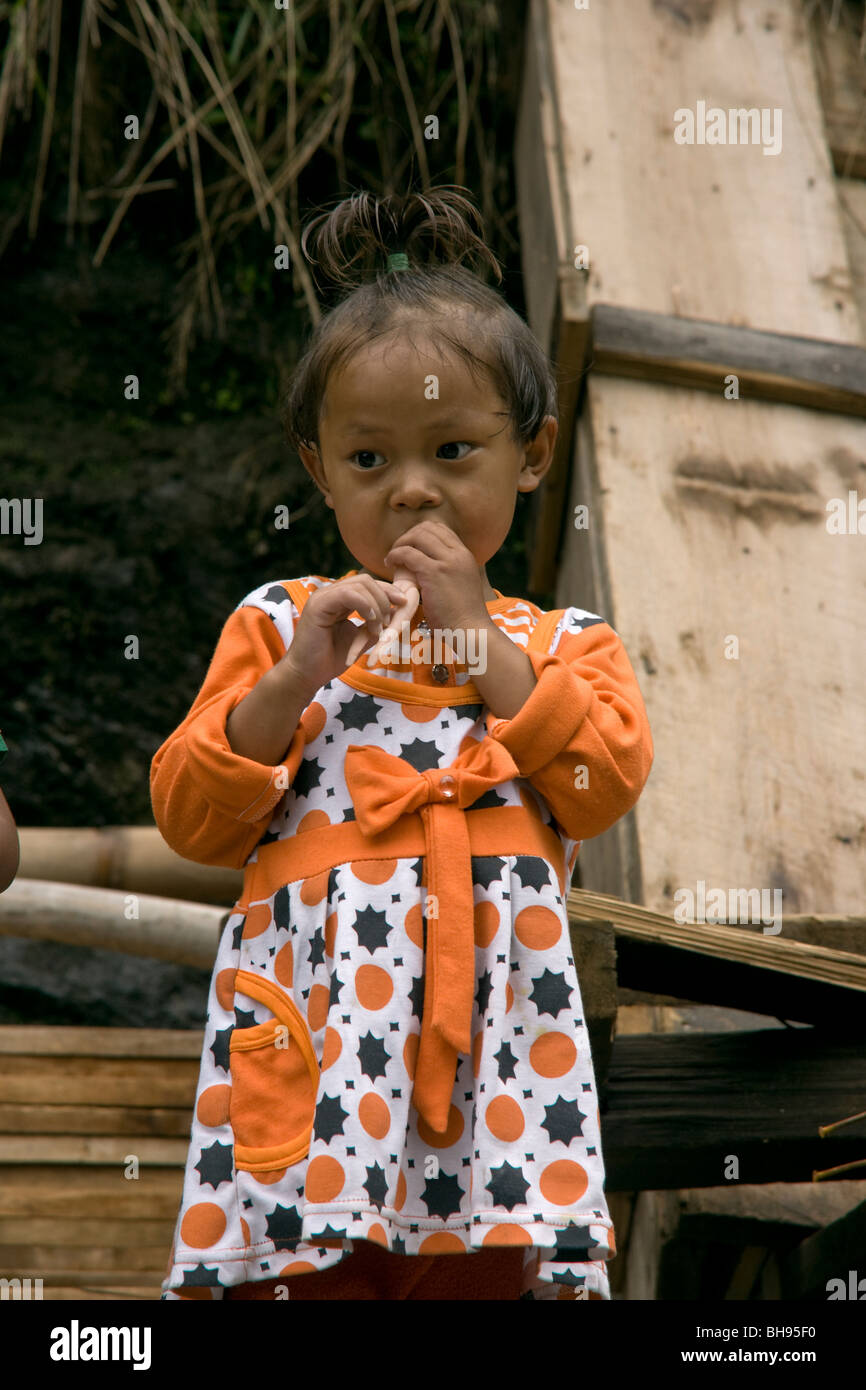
(305, 1138)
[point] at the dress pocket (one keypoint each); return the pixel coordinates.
(274, 1079)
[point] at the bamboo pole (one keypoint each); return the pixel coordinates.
(133, 857)
(135, 923)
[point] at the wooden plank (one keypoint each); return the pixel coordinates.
(113, 1292)
(724, 965)
(677, 1104)
(34, 1190)
(71, 1233)
(97, 1149)
(59, 1262)
(94, 1119)
(829, 1254)
(690, 352)
(721, 232)
(775, 1214)
(708, 527)
(73, 1081)
(35, 1040)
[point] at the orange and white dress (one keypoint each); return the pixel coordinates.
(395, 1047)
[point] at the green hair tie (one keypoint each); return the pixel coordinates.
(398, 260)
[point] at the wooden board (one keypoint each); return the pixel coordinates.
(720, 232)
(677, 1104)
(708, 520)
(693, 352)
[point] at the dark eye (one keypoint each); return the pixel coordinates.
(455, 444)
(360, 453)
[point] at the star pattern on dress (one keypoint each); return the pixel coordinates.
(376, 1185)
(507, 1186)
(507, 1062)
(373, 1056)
(308, 777)
(201, 1277)
(532, 871)
(215, 1165)
(486, 868)
(423, 755)
(283, 1226)
(550, 993)
(441, 1195)
(282, 909)
(372, 929)
(483, 992)
(317, 948)
(563, 1121)
(358, 712)
(220, 1047)
(330, 1118)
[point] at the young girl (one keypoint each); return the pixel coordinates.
(396, 1097)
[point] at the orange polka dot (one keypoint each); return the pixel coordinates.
(400, 1196)
(313, 820)
(477, 1049)
(374, 870)
(563, 1182)
(537, 928)
(268, 1178)
(213, 1105)
(331, 1048)
(374, 1115)
(225, 989)
(330, 934)
(507, 1235)
(203, 1225)
(486, 923)
(373, 986)
(312, 721)
(299, 1267)
(317, 1007)
(245, 1232)
(377, 1234)
(284, 965)
(413, 926)
(442, 1243)
(553, 1054)
(325, 1179)
(420, 714)
(258, 920)
(410, 1054)
(451, 1135)
(509, 998)
(314, 888)
(505, 1120)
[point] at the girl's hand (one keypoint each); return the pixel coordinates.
(446, 573)
(320, 646)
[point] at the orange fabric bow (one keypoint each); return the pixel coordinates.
(384, 788)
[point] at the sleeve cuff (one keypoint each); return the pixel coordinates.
(550, 717)
(236, 786)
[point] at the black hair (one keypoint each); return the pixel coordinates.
(436, 230)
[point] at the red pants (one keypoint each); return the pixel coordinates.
(371, 1272)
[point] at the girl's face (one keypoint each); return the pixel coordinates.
(390, 457)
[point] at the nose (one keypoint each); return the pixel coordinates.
(415, 486)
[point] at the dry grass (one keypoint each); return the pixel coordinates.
(277, 108)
